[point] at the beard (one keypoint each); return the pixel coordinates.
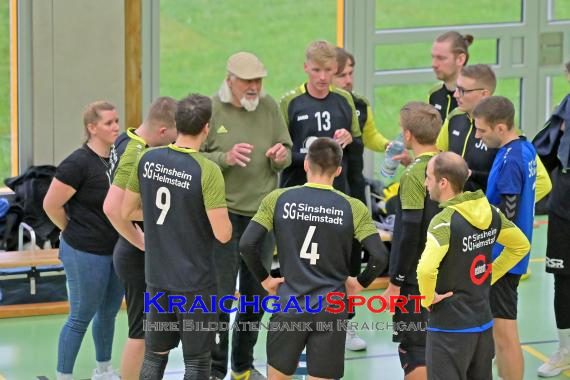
(249, 105)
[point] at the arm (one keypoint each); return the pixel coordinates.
(442, 141)
(57, 196)
(377, 262)
(112, 208)
(282, 139)
(406, 256)
(214, 194)
(249, 247)
(220, 222)
(543, 183)
(428, 267)
(373, 139)
(516, 248)
(131, 206)
(510, 205)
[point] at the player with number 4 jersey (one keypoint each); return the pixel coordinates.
(314, 226)
(184, 205)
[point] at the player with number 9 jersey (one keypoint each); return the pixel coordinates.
(177, 185)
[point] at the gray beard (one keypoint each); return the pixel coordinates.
(249, 105)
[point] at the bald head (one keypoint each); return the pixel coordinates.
(453, 168)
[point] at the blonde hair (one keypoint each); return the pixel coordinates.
(320, 52)
(482, 74)
(422, 120)
(91, 114)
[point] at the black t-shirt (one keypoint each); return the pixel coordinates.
(88, 228)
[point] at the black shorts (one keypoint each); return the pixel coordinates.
(195, 329)
(325, 349)
(504, 297)
(459, 356)
(128, 261)
(409, 331)
(558, 245)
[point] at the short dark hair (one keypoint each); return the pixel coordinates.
(482, 74)
(192, 114)
(451, 166)
(162, 111)
(422, 120)
(343, 58)
(495, 110)
(324, 156)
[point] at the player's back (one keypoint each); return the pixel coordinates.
(178, 236)
(314, 227)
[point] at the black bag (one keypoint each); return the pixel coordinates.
(30, 190)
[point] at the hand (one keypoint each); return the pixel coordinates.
(277, 153)
(343, 137)
(353, 287)
(239, 154)
(440, 297)
(391, 290)
(270, 284)
(404, 157)
(140, 238)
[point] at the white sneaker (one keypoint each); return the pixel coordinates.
(354, 342)
(558, 362)
(110, 374)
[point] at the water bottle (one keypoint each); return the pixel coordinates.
(389, 166)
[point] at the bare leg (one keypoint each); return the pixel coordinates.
(510, 361)
(132, 359)
(274, 374)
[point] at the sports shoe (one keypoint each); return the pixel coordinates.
(558, 362)
(353, 341)
(250, 374)
(110, 374)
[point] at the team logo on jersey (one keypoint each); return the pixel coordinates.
(302, 117)
(554, 263)
(222, 129)
(480, 270)
(455, 132)
(437, 107)
(481, 145)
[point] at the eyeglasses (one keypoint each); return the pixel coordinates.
(461, 91)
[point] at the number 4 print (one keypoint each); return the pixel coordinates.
(313, 255)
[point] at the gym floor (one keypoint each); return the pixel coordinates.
(28, 346)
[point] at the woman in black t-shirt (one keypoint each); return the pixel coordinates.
(74, 202)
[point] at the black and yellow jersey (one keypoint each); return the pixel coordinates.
(309, 118)
(442, 99)
(413, 216)
(314, 226)
(128, 148)
(457, 258)
(177, 186)
(458, 135)
(371, 137)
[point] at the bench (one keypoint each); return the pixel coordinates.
(33, 262)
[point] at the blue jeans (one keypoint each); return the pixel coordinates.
(95, 293)
(228, 264)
